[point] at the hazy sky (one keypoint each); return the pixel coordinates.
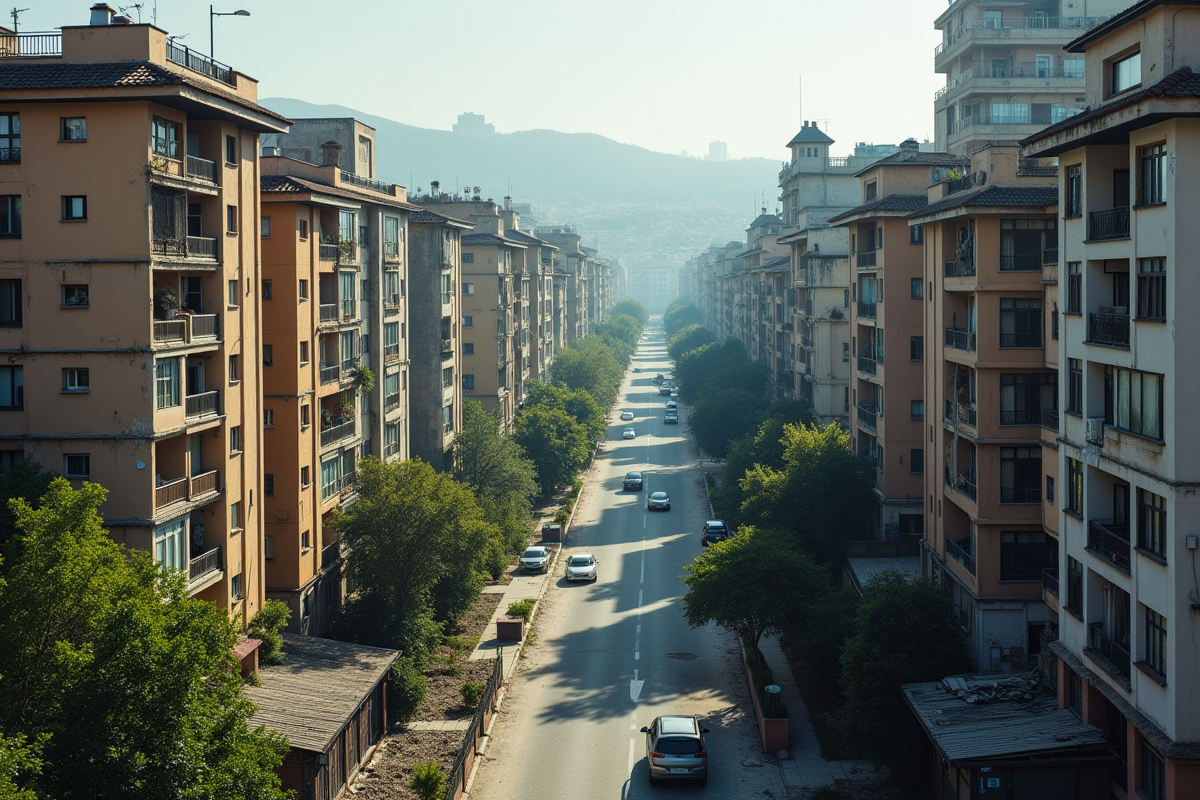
(669, 75)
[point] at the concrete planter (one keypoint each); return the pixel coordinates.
(510, 629)
(774, 731)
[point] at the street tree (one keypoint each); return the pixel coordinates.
(589, 364)
(633, 309)
(679, 315)
(555, 442)
(752, 584)
(688, 339)
(20, 763)
(763, 447)
(26, 480)
(719, 418)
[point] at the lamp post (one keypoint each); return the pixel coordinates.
(214, 14)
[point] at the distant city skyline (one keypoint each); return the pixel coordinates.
(670, 75)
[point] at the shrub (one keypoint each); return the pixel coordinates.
(472, 693)
(407, 689)
(266, 626)
(772, 706)
(562, 517)
(522, 608)
(428, 780)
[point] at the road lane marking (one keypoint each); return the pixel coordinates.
(635, 687)
(642, 578)
(637, 643)
(644, 520)
(629, 763)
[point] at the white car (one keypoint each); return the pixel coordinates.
(535, 559)
(629, 433)
(626, 415)
(582, 567)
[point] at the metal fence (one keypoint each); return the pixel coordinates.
(457, 781)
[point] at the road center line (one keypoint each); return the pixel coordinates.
(629, 763)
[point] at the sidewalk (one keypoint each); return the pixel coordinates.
(805, 768)
(522, 587)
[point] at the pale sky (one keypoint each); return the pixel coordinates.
(668, 75)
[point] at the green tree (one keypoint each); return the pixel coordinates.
(722, 417)
(633, 309)
(134, 683)
(589, 364)
(679, 315)
(266, 626)
(905, 632)
(25, 480)
(753, 584)
(716, 367)
(818, 642)
(554, 441)
(822, 496)
(20, 763)
(688, 339)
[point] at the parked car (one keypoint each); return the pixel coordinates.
(714, 531)
(658, 501)
(671, 418)
(535, 559)
(629, 433)
(626, 414)
(675, 749)
(633, 482)
(581, 567)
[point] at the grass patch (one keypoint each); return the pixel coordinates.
(521, 608)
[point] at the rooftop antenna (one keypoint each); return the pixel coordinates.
(136, 7)
(15, 13)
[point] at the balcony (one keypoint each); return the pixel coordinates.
(1025, 416)
(200, 247)
(1050, 580)
(960, 268)
(1110, 543)
(1107, 225)
(447, 347)
(186, 328)
(337, 433)
(961, 554)
(330, 374)
(30, 45)
(391, 402)
(1050, 257)
(205, 404)
(327, 251)
(180, 489)
(203, 483)
(867, 416)
(391, 352)
(865, 259)
(349, 310)
(1017, 495)
(865, 364)
(187, 57)
(1050, 420)
(328, 313)
(866, 310)
(1109, 329)
(963, 483)
(331, 554)
(204, 565)
(1110, 650)
(1027, 340)
(962, 412)
(1026, 262)
(968, 181)
(365, 183)
(958, 339)
(201, 169)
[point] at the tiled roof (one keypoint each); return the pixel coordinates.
(810, 134)
(488, 238)
(1118, 20)
(1182, 83)
(766, 219)
(522, 236)
(294, 184)
(995, 196)
(778, 261)
(903, 203)
(433, 218)
(917, 159)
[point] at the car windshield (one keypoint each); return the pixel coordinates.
(534, 552)
(580, 561)
(634, 476)
(659, 495)
(678, 747)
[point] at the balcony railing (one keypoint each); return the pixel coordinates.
(1025, 339)
(1050, 580)
(203, 64)
(337, 433)
(170, 492)
(330, 374)
(1050, 420)
(391, 352)
(171, 330)
(366, 183)
(327, 312)
(1033, 168)
(1110, 224)
(867, 417)
(349, 310)
(1111, 330)
(30, 45)
(866, 258)
(969, 181)
(201, 405)
(1108, 648)
(447, 347)
(327, 251)
(186, 328)
(960, 340)
(960, 268)
(1027, 416)
(961, 554)
(1110, 542)
(1020, 494)
(331, 554)
(963, 483)
(201, 168)
(867, 364)
(187, 247)
(204, 564)
(203, 483)
(391, 402)
(866, 310)
(1024, 262)
(1050, 257)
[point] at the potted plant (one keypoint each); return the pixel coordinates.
(166, 302)
(363, 379)
(326, 418)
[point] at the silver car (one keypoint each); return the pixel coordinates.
(582, 567)
(675, 750)
(535, 559)
(658, 500)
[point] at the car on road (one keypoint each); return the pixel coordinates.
(581, 567)
(674, 393)
(637, 369)
(658, 379)
(535, 559)
(626, 414)
(664, 389)
(673, 405)
(658, 501)
(629, 433)
(675, 749)
(714, 531)
(671, 418)
(633, 482)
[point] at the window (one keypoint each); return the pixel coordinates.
(72, 129)
(268, 355)
(391, 390)
(468, 348)
(1133, 401)
(235, 587)
(1074, 288)
(468, 258)
(264, 227)
(305, 415)
(10, 138)
(916, 348)
(391, 236)
(1024, 554)
(169, 549)
(1074, 386)
(166, 382)
(1074, 692)
(12, 387)
(10, 214)
(302, 291)
(331, 476)
(232, 287)
(916, 289)
(1074, 487)
(1152, 775)
(304, 352)
(233, 369)
(1074, 586)
(164, 136)
(1152, 289)
(468, 322)
(468, 288)
(1074, 191)
(916, 461)
(448, 419)
(1050, 489)
(1125, 73)
(872, 190)
(468, 383)
(1023, 243)
(304, 230)
(77, 466)
(346, 349)
(1152, 523)
(304, 480)
(75, 295)
(1024, 395)
(391, 288)
(845, 351)
(1009, 113)
(1152, 175)
(75, 379)
(74, 208)
(1156, 642)
(231, 219)
(235, 439)
(916, 409)
(268, 418)
(879, 345)
(231, 150)
(391, 440)
(1020, 475)
(304, 536)
(1020, 322)
(235, 517)
(10, 303)
(268, 544)
(448, 377)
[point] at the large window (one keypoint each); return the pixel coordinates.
(12, 387)
(1074, 386)
(391, 390)
(1152, 289)
(166, 382)
(1020, 322)
(1025, 395)
(392, 287)
(346, 349)
(164, 136)
(468, 383)
(10, 303)
(391, 440)
(1156, 642)
(10, 138)
(916, 348)
(1023, 241)
(10, 216)
(1024, 554)
(1020, 474)
(1074, 191)
(1152, 174)
(1125, 73)
(1010, 113)
(1074, 487)
(331, 476)
(1152, 776)
(1152, 522)
(1133, 401)
(1074, 288)
(1074, 586)
(391, 236)
(169, 550)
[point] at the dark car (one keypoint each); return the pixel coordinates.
(671, 418)
(633, 482)
(675, 750)
(714, 531)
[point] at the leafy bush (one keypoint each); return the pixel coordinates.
(562, 517)
(266, 626)
(679, 315)
(772, 706)
(688, 339)
(723, 417)
(521, 608)
(472, 693)
(428, 780)
(407, 689)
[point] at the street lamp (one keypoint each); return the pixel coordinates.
(211, 15)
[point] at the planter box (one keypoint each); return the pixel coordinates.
(774, 731)
(510, 629)
(552, 533)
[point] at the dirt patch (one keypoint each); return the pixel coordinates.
(387, 776)
(449, 667)
(851, 789)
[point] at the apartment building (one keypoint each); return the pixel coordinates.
(990, 254)
(887, 318)
(488, 322)
(653, 285)
(536, 267)
(1007, 74)
(129, 266)
(764, 312)
(571, 261)
(699, 279)
(1126, 576)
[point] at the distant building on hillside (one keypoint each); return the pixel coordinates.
(473, 125)
(718, 151)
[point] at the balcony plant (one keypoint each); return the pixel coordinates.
(363, 379)
(166, 303)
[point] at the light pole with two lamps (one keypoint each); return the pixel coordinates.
(213, 15)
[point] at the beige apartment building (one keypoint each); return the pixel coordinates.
(887, 319)
(488, 321)
(1007, 74)
(1126, 578)
(571, 261)
(536, 267)
(130, 271)
(990, 400)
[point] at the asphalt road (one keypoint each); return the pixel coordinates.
(606, 658)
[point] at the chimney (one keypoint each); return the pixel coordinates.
(508, 202)
(102, 14)
(909, 149)
(331, 154)
(435, 188)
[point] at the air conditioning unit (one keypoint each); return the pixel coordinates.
(1095, 430)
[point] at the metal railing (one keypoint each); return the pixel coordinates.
(30, 45)
(867, 364)
(171, 330)
(866, 310)
(366, 183)
(327, 312)
(327, 251)
(1052, 25)
(1050, 420)
(203, 64)
(1050, 257)
(1025, 339)
(391, 402)
(331, 554)
(456, 783)
(961, 554)
(201, 405)
(1020, 494)
(1109, 329)
(201, 168)
(958, 339)
(337, 433)
(1111, 542)
(349, 310)
(963, 483)
(867, 416)
(447, 347)
(1110, 224)
(1108, 648)
(10, 155)
(866, 259)
(391, 352)
(1050, 581)
(1024, 262)
(955, 83)
(960, 268)
(1025, 416)
(969, 181)
(1032, 167)
(204, 326)
(187, 247)
(203, 483)
(170, 492)
(330, 374)
(204, 564)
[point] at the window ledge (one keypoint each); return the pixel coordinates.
(1150, 554)
(1159, 320)
(76, 391)
(1142, 436)
(1077, 515)
(1151, 673)
(73, 220)
(1140, 206)
(74, 306)
(1072, 216)
(72, 141)
(1076, 614)
(1072, 313)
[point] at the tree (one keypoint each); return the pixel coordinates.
(20, 762)
(822, 496)
(752, 584)
(266, 626)
(905, 632)
(716, 367)
(26, 480)
(721, 417)
(555, 442)
(633, 309)
(688, 339)
(589, 364)
(818, 642)
(679, 315)
(131, 684)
